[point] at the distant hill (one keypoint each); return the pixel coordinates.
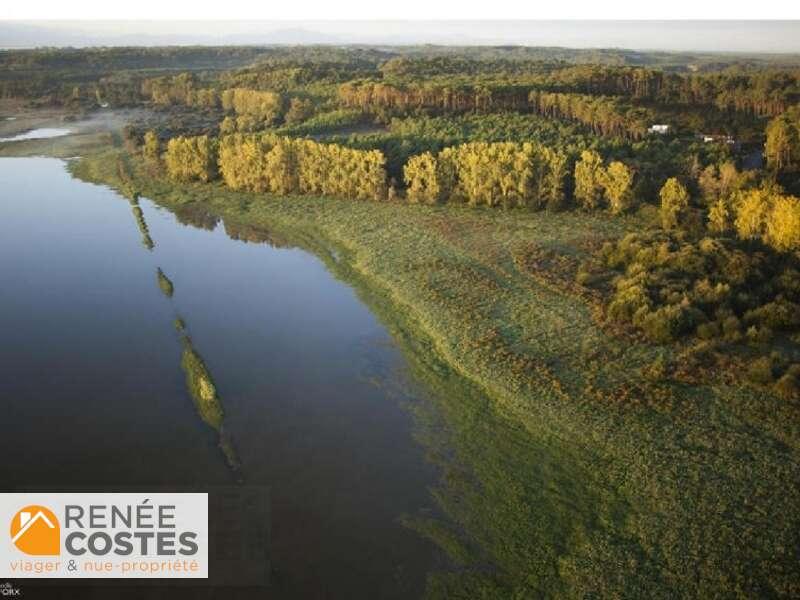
(673, 36)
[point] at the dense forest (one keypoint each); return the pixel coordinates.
(705, 150)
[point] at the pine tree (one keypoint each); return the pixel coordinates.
(782, 148)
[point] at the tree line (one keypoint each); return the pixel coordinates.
(605, 115)
(284, 165)
(491, 174)
(597, 184)
(763, 213)
(736, 206)
(507, 174)
(371, 96)
(766, 92)
(417, 84)
(192, 158)
(280, 165)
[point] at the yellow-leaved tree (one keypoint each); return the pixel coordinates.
(752, 207)
(589, 176)
(719, 217)
(192, 158)
(420, 175)
(674, 201)
(618, 187)
(782, 147)
(783, 224)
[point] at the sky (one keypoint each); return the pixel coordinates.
(704, 35)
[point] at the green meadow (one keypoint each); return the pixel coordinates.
(567, 468)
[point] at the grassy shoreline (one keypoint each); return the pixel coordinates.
(601, 481)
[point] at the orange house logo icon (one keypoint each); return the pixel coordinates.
(35, 530)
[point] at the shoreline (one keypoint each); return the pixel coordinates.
(630, 456)
(591, 468)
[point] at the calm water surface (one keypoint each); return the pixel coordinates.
(94, 393)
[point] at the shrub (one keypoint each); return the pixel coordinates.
(709, 331)
(779, 314)
(760, 371)
(630, 298)
(758, 335)
(737, 267)
(788, 387)
(789, 281)
(711, 289)
(656, 370)
(670, 322)
(732, 328)
(711, 294)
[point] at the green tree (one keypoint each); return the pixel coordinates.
(782, 148)
(300, 109)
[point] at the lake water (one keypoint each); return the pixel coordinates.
(94, 393)
(37, 134)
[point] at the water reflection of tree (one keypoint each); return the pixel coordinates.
(257, 235)
(203, 391)
(199, 382)
(165, 283)
(147, 241)
(196, 215)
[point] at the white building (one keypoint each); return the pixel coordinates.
(660, 129)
